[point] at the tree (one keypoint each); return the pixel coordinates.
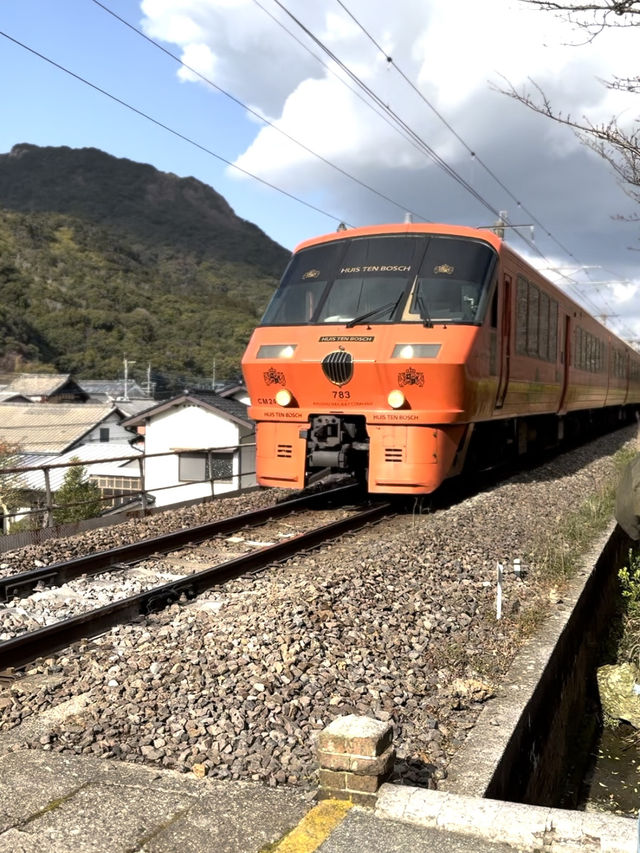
(8, 482)
(78, 497)
(619, 146)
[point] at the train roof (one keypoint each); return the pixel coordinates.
(407, 228)
(485, 234)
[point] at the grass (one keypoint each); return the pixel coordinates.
(559, 555)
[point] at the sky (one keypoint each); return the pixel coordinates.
(307, 114)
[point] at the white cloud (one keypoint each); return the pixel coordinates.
(454, 52)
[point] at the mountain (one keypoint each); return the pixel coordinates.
(102, 258)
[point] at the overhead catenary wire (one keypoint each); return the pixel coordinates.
(253, 112)
(406, 128)
(408, 132)
(575, 285)
(421, 144)
(452, 130)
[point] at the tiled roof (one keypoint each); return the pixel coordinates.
(85, 453)
(226, 406)
(112, 387)
(13, 397)
(38, 384)
(48, 427)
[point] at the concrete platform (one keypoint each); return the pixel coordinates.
(57, 803)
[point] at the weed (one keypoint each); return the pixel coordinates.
(559, 555)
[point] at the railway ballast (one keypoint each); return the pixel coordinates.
(397, 622)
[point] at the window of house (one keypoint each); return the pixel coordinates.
(194, 467)
(104, 433)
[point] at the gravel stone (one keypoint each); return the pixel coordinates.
(396, 622)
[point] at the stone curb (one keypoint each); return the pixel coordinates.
(530, 828)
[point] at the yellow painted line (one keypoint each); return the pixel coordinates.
(314, 828)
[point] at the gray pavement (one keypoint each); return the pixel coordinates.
(60, 803)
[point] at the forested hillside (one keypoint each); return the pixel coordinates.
(102, 258)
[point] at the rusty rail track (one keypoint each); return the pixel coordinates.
(26, 648)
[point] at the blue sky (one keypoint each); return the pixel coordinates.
(45, 106)
(572, 194)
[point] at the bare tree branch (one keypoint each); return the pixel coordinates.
(618, 146)
(601, 10)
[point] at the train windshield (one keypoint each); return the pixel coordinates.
(386, 279)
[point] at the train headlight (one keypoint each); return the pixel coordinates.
(276, 351)
(409, 351)
(396, 399)
(284, 397)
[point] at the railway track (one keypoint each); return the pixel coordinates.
(112, 559)
(21, 650)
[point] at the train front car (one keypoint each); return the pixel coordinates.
(364, 360)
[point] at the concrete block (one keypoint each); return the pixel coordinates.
(424, 806)
(356, 735)
(392, 801)
(614, 834)
(521, 825)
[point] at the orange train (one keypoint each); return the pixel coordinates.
(400, 353)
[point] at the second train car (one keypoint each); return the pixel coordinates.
(397, 352)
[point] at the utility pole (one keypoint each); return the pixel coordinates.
(213, 376)
(126, 378)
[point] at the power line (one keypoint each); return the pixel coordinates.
(425, 148)
(447, 124)
(171, 130)
(473, 154)
(407, 130)
(251, 111)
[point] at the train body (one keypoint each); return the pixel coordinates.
(397, 352)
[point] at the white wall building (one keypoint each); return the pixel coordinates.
(210, 442)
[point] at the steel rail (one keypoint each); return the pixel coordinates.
(56, 574)
(19, 651)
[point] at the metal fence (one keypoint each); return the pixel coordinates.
(118, 507)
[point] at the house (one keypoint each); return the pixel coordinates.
(236, 390)
(54, 428)
(107, 390)
(114, 467)
(208, 442)
(12, 397)
(47, 388)
(46, 434)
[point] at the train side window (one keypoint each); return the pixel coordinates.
(494, 309)
(553, 330)
(521, 316)
(543, 337)
(533, 320)
(579, 349)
